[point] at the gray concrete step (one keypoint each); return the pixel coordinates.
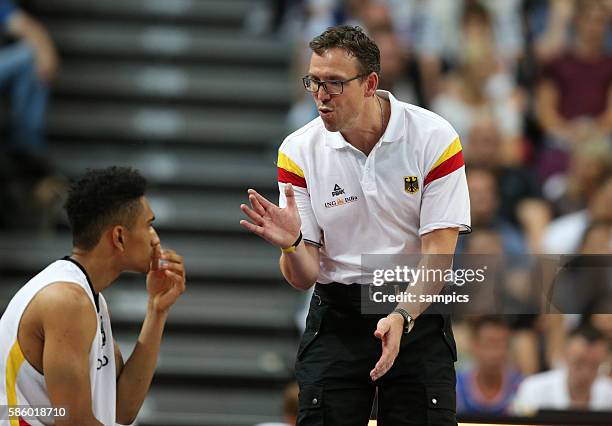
(182, 166)
(163, 42)
(201, 356)
(206, 84)
(244, 257)
(218, 12)
(202, 211)
(229, 305)
(210, 407)
(142, 122)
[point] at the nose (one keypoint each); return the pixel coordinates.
(154, 237)
(321, 95)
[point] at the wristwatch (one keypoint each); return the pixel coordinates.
(407, 318)
(293, 247)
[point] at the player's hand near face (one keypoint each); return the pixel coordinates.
(166, 279)
(278, 226)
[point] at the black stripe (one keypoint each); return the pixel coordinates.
(314, 243)
(95, 295)
(466, 231)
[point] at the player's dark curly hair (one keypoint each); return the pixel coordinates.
(103, 198)
(355, 41)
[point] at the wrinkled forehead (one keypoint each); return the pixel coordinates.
(333, 64)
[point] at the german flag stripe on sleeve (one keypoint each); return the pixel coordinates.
(289, 172)
(450, 160)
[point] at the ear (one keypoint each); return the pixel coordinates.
(371, 84)
(118, 237)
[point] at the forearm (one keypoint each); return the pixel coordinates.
(25, 27)
(604, 121)
(135, 379)
(546, 111)
(300, 268)
(423, 287)
(437, 248)
(552, 42)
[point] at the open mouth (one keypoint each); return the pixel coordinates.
(324, 112)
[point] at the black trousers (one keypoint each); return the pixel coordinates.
(338, 350)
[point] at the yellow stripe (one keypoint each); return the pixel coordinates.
(286, 163)
(452, 149)
(15, 359)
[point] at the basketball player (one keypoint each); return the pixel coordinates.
(56, 343)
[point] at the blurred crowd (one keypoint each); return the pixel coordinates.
(527, 84)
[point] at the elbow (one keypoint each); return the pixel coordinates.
(301, 282)
(302, 285)
(301, 279)
(126, 418)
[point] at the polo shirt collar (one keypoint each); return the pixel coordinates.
(393, 132)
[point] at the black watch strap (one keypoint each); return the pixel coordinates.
(407, 318)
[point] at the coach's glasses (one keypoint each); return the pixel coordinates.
(332, 87)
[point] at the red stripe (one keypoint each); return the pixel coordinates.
(22, 422)
(285, 176)
(447, 167)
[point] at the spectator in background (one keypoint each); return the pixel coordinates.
(481, 87)
(416, 32)
(578, 385)
(378, 20)
(433, 29)
(598, 239)
(549, 24)
(589, 163)
(28, 183)
(490, 384)
(484, 205)
(506, 27)
(564, 234)
(290, 406)
(603, 322)
(583, 283)
(519, 196)
(318, 16)
(574, 95)
(26, 69)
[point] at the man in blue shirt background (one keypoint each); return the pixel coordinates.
(489, 386)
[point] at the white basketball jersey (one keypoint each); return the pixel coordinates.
(21, 384)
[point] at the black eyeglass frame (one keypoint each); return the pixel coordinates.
(323, 83)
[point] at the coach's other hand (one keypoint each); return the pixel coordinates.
(389, 330)
(278, 226)
(165, 280)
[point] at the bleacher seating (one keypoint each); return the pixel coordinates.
(177, 89)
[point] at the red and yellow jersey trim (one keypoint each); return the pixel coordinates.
(289, 172)
(450, 160)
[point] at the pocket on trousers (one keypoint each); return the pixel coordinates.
(314, 321)
(311, 403)
(441, 405)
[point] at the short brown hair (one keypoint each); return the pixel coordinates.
(352, 39)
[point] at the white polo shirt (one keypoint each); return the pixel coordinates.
(412, 182)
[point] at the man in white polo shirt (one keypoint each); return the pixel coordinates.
(370, 175)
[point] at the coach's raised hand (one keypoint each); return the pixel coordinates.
(299, 262)
(279, 226)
